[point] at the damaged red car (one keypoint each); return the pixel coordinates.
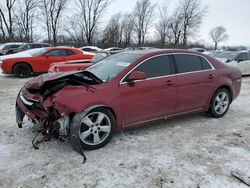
(126, 90)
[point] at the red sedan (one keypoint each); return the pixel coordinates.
(26, 63)
(126, 90)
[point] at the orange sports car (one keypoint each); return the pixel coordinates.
(26, 63)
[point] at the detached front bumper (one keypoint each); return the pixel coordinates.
(28, 107)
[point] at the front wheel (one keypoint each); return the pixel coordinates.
(220, 103)
(92, 130)
(22, 70)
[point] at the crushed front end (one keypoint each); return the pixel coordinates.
(44, 100)
(40, 112)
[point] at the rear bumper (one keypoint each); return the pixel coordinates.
(27, 107)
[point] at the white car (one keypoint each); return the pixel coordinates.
(8, 47)
(240, 59)
(92, 49)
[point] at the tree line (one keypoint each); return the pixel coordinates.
(29, 20)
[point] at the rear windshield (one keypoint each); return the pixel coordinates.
(108, 68)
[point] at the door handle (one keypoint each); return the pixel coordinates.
(211, 76)
(169, 83)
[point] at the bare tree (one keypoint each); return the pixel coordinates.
(128, 27)
(113, 31)
(91, 12)
(52, 11)
(143, 12)
(218, 34)
(25, 18)
(3, 35)
(176, 28)
(7, 17)
(162, 27)
(192, 12)
(75, 30)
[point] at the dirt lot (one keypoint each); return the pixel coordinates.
(190, 151)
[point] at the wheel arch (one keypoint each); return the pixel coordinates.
(228, 88)
(13, 66)
(88, 109)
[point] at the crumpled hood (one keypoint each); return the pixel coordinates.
(39, 81)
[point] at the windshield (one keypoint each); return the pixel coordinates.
(226, 55)
(99, 56)
(37, 52)
(4, 46)
(108, 68)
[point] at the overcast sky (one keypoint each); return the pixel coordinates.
(233, 15)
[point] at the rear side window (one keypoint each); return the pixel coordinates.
(88, 49)
(205, 64)
(57, 53)
(156, 66)
(69, 52)
(190, 63)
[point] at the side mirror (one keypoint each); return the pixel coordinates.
(46, 55)
(136, 75)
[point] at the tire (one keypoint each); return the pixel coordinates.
(92, 130)
(22, 70)
(9, 52)
(220, 103)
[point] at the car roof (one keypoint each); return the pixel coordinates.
(14, 43)
(93, 47)
(160, 51)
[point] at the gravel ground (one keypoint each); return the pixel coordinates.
(189, 151)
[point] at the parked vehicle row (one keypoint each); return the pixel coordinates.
(78, 65)
(240, 59)
(11, 48)
(125, 90)
(27, 63)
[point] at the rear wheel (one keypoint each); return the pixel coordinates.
(22, 70)
(9, 52)
(220, 103)
(93, 130)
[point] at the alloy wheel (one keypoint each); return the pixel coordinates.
(95, 128)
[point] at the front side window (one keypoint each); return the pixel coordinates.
(188, 63)
(156, 67)
(15, 46)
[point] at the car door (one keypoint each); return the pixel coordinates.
(52, 56)
(244, 63)
(151, 98)
(196, 79)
